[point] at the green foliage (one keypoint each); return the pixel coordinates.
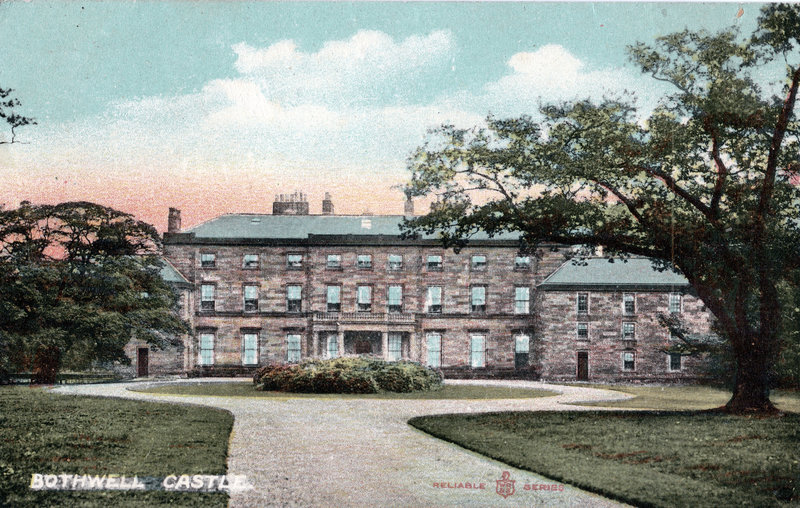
(77, 282)
(707, 183)
(51, 434)
(698, 459)
(347, 375)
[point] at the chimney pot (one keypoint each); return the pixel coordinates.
(174, 221)
(327, 205)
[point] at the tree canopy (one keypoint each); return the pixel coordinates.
(8, 103)
(708, 182)
(77, 281)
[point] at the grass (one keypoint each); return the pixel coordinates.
(458, 392)
(647, 459)
(46, 433)
(678, 398)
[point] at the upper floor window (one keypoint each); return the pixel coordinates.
(395, 299)
(522, 263)
(208, 260)
(364, 261)
(628, 304)
(294, 302)
(294, 261)
(250, 298)
(435, 263)
(478, 262)
(293, 348)
(583, 303)
(433, 301)
(628, 361)
(207, 297)
(250, 261)
(334, 261)
(395, 262)
(333, 298)
(583, 331)
(249, 348)
(674, 303)
(522, 300)
(478, 299)
(628, 330)
(364, 298)
(206, 349)
(434, 340)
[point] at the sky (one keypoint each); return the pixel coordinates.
(217, 107)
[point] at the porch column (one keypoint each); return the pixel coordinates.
(317, 340)
(414, 348)
(340, 340)
(385, 345)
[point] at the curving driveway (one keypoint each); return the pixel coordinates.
(325, 452)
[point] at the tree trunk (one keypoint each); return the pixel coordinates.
(751, 392)
(46, 363)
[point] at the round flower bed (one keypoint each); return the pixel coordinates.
(347, 375)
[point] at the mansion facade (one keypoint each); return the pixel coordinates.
(282, 287)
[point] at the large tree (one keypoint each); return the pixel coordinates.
(77, 281)
(707, 182)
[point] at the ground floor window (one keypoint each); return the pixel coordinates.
(675, 361)
(206, 349)
(434, 350)
(522, 346)
(395, 347)
(628, 361)
(478, 351)
(249, 348)
(333, 346)
(293, 348)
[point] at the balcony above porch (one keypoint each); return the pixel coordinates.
(364, 317)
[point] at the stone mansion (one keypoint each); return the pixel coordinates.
(282, 287)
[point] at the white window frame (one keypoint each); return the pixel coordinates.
(430, 300)
(394, 265)
(364, 261)
(332, 346)
(522, 262)
(633, 330)
(208, 264)
(477, 308)
(333, 261)
(433, 265)
(208, 296)
(292, 261)
(434, 349)
(476, 264)
(578, 303)
(245, 299)
(680, 303)
(628, 297)
(200, 349)
(252, 265)
(364, 298)
(395, 305)
(328, 299)
(669, 362)
(522, 306)
(633, 360)
(293, 348)
(578, 330)
(395, 345)
(477, 350)
(518, 339)
(245, 349)
(298, 299)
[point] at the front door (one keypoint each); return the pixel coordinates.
(583, 366)
(141, 361)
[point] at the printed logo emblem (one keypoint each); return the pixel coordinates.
(505, 485)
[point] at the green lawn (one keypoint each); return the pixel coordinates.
(646, 459)
(46, 433)
(243, 389)
(678, 398)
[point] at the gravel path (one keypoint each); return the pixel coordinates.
(324, 452)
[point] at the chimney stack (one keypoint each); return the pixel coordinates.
(327, 205)
(290, 204)
(408, 208)
(174, 221)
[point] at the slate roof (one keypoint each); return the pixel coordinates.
(596, 273)
(263, 226)
(171, 275)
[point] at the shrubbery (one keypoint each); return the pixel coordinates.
(347, 375)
